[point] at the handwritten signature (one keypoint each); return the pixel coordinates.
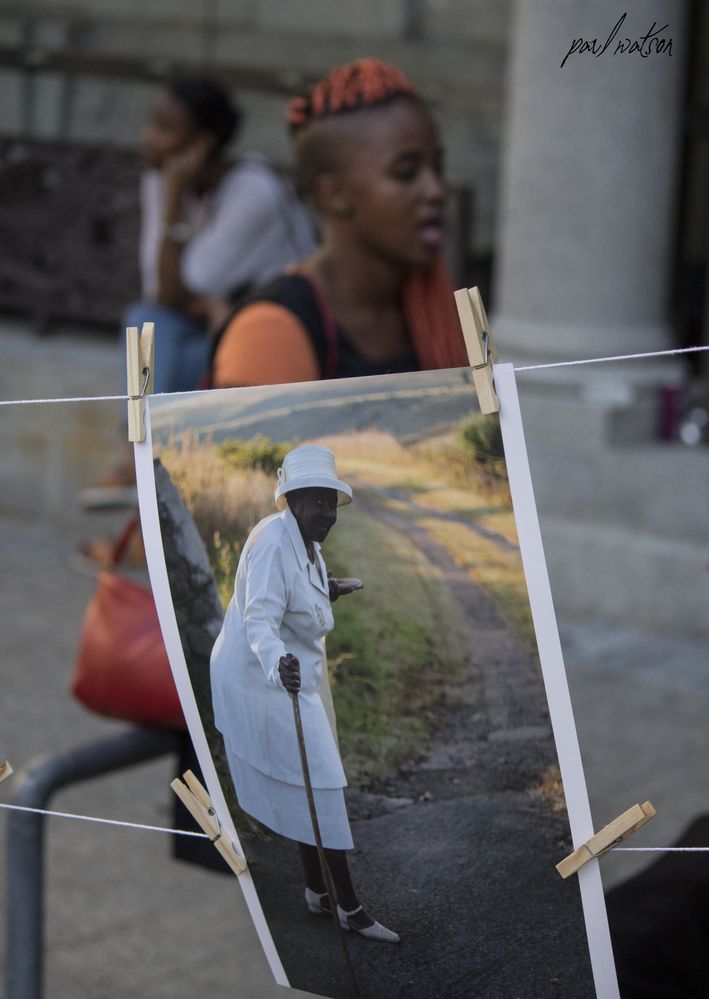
(648, 44)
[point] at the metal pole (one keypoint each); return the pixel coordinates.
(36, 783)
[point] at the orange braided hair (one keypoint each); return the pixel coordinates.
(432, 318)
(427, 298)
(361, 84)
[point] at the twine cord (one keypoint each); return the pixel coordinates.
(201, 835)
(617, 357)
(661, 849)
(105, 822)
(526, 367)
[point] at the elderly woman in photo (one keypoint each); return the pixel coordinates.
(272, 644)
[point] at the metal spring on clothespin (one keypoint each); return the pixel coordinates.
(485, 341)
(146, 373)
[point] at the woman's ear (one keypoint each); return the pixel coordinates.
(330, 195)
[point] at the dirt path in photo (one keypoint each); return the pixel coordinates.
(500, 700)
(421, 510)
(455, 851)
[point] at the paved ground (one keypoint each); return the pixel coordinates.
(641, 703)
(123, 919)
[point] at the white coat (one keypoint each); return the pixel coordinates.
(280, 605)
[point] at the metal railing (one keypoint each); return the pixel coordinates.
(36, 784)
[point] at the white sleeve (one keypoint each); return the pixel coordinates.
(264, 606)
(244, 235)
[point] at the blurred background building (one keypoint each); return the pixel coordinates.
(82, 73)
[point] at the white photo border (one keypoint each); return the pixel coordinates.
(555, 683)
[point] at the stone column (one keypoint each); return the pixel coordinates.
(590, 180)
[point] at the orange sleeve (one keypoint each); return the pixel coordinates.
(264, 344)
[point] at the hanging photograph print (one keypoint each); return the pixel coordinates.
(352, 591)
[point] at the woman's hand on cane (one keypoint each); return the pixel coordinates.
(289, 672)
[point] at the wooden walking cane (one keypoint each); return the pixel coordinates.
(318, 840)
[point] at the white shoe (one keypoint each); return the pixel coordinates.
(314, 902)
(374, 932)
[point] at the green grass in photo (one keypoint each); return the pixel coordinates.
(394, 646)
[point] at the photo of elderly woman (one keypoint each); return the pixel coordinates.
(271, 646)
(343, 563)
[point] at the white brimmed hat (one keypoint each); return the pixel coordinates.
(307, 466)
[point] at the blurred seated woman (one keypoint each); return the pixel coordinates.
(212, 227)
(272, 645)
(374, 297)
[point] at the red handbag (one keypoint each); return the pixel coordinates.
(122, 669)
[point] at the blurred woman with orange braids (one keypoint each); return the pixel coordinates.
(374, 297)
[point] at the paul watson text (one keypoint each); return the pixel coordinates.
(648, 44)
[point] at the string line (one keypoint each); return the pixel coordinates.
(77, 398)
(617, 357)
(661, 849)
(526, 367)
(200, 835)
(105, 822)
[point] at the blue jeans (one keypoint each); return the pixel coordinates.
(181, 345)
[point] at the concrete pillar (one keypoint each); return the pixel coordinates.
(590, 180)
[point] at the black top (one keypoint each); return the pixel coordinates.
(337, 356)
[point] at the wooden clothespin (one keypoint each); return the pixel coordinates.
(480, 347)
(196, 800)
(609, 836)
(5, 771)
(140, 359)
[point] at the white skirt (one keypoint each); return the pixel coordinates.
(283, 808)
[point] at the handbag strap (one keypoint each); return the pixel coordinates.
(121, 544)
